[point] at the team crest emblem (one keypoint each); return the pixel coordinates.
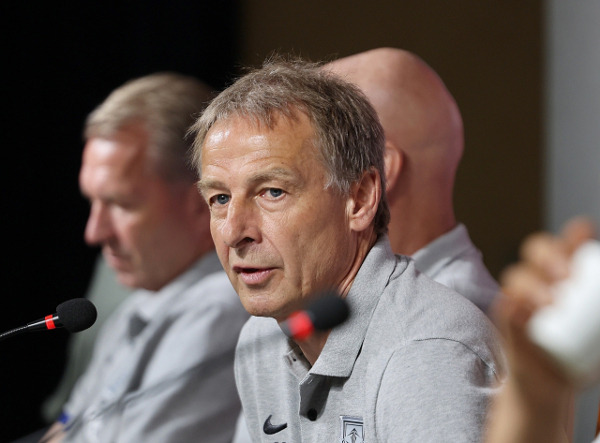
(352, 429)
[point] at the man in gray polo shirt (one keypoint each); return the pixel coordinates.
(291, 159)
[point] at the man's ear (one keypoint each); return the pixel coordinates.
(393, 159)
(364, 200)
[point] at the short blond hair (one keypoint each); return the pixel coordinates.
(165, 104)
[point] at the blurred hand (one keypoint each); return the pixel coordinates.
(526, 286)
(536, 402)
(55, 434)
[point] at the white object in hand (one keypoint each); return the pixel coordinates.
(569, 329)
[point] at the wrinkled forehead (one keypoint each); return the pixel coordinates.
(276, 123)
(242, 141)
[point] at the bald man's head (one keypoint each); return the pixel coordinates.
(418, 114)
(424, 140)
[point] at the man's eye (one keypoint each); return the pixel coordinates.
(274, 192)
(221, 199)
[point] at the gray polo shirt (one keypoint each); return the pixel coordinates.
(453, 260)
(416, 362)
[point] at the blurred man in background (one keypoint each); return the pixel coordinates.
(423, 147)
(162, 365)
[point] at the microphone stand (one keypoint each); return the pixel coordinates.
(14, 331)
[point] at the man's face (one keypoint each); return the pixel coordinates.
(135, 216)
(280, 235)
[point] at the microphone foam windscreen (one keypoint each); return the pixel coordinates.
(76, 314)
(328, 311)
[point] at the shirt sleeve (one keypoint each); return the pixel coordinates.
(199, 405)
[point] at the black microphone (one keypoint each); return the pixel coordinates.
(74, 315)
(327, 311)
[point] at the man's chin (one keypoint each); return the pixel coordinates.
(254, 309)
(127, 279)
(256, 305)
(264, 306)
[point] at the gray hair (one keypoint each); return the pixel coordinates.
(348, 135)
(166, 104)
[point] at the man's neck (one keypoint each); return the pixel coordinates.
(408, 238)
(182, 267)
(312, 347)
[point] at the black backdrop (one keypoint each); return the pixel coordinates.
(59, 61)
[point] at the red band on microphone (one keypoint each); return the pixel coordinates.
(300, 325)
(49, 322)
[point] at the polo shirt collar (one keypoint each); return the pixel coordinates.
(345, 341)
(427, 259)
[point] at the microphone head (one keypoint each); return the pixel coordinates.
(76, 314)
(328, 311)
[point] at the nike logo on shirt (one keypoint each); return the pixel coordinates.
(271, 429)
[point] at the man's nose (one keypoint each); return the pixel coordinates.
(99, 225)
(240, 226)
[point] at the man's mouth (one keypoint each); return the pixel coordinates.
(114, 259)
(253, 276)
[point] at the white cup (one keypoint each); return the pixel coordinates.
(569, 329)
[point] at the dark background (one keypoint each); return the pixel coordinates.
(60, 61)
